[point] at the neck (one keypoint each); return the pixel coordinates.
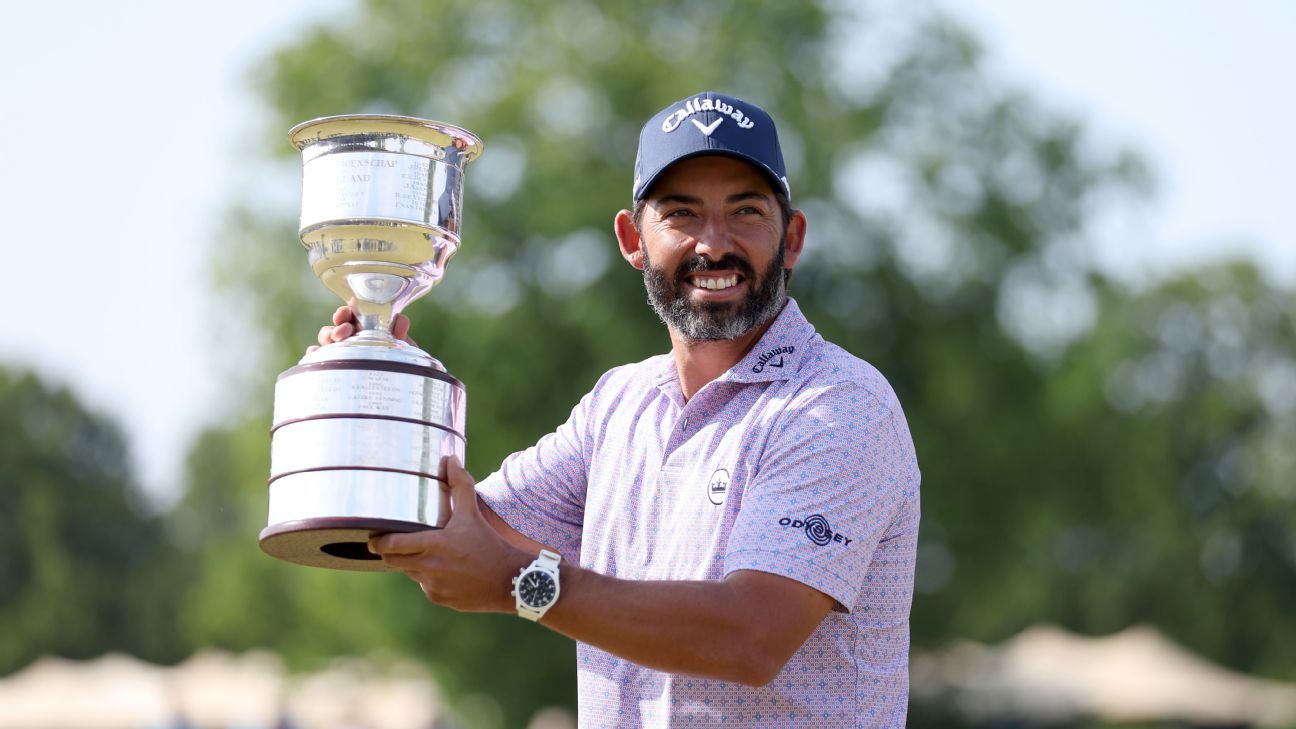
(700, 362)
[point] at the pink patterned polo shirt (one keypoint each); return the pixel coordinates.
(797, 461)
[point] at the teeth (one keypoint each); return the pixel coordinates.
(715, 284)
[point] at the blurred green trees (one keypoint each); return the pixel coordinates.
(1095, 454)
(84, 567)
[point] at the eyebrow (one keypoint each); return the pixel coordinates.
(691, 200)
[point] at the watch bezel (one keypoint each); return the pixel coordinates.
(544, 575)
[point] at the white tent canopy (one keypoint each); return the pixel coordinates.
(217, 690)
(1047, 675)
(1043, 675)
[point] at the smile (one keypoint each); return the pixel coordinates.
(712, 283)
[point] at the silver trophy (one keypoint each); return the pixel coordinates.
(360, 426)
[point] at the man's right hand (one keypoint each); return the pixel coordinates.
(344, 326)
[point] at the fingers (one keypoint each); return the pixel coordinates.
(342, 315)
(396, 544)
(462, 488)
(344, 326)
(401, 327)
(329, 335)
(342, 331)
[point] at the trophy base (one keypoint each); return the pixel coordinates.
(356, 450)
(339, 543)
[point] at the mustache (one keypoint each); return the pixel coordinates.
(699, 264)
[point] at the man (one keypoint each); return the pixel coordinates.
(730, 527)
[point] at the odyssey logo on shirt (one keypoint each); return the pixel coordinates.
(817, 530)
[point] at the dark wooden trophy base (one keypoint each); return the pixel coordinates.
(339, 543)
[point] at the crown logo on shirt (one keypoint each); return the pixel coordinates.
(718, 486)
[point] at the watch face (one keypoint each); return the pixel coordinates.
(537, 589)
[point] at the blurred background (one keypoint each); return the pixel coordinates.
(1056, 228)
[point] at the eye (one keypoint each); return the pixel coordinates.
(750, 210)
(679, 213)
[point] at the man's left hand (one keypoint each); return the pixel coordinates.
(466, 566)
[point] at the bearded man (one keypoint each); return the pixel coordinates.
(727, 530)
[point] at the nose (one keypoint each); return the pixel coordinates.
(714, 239)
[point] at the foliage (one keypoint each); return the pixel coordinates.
(84, 568)
(1093, 455)
(1066, 479)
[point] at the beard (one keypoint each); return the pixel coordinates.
(716, 320)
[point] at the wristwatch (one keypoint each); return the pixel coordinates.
(536, 586)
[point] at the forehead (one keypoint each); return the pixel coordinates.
(712, 172)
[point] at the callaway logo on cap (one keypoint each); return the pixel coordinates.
(709, 123)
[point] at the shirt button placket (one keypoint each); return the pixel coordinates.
(678, 436)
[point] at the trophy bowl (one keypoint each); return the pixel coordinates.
(360, 426)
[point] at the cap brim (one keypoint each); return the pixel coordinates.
(645, 186)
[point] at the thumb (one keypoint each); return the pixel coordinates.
(400, 328)
(462, 488)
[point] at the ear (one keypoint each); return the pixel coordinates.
(628, 239)
(794, 241)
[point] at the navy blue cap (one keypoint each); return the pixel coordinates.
(709, 123)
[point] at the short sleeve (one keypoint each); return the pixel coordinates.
(541, 491)
(832, 481)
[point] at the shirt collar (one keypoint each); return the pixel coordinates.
(778, 353)
(666, 371)
(776, 356)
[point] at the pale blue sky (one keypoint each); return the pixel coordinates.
(1202, 90)
(134, 116)
(127, 122)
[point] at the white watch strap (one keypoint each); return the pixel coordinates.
(548, 560)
